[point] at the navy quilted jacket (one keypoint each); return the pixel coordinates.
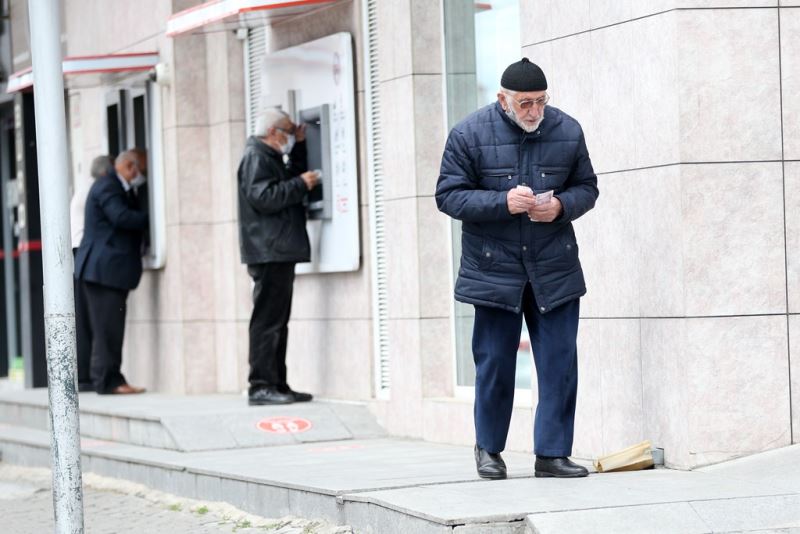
(485, 156)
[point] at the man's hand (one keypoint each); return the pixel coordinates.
(547, 212)
(520, 200)
(311, 178)
(300, 133)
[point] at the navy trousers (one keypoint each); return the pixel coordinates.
(495, 340)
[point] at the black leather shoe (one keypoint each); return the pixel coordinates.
(264, 396)
(84, 387)
(299, 396)
(559, 468)
(489, 465)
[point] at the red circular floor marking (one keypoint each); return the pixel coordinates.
(284, 425)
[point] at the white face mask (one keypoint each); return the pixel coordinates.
(139, 180)
(288, 145)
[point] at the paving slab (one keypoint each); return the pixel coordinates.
(201, 422)
(672, 518)
(458, 503)
(383, 484)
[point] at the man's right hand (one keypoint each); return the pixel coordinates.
(311, 178)
(520, 200)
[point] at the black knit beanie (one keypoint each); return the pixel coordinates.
(523, 76)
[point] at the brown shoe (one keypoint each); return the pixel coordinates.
(126, 389)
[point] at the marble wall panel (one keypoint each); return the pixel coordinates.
(331, 359)
(429, 134)
(199, 354)
(790, 80)
(738, 386)
(189, 80)
(588, 441)
(791, 181)
(197, 272)
(550, 19)
(227, 357)
(194, 176)
(613, 96)
(794, 361)
(426, 41)
(733, 242)
(402, 413)
(398, 133)
(435, 278)
(609, 250)
(128, 25)
(395, 48)
(665, 397)
(436, 355)
(660, 238)
(718, 52)
(655, 97)
(402, 258)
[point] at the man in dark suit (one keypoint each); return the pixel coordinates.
(108, 265)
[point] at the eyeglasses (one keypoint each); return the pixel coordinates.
(287, 132)
(528, 104)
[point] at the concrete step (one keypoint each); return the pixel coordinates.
(197, 423)
(334, 481)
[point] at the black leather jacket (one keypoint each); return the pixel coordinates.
(272, 217)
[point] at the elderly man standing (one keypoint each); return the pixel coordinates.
(102, 166)
(517, 173)
(273, 183)
(107, 266)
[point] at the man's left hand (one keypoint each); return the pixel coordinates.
(300, 133)
(547, 212)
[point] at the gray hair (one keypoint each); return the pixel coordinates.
(269, 118)
(128, 155)
(101, 166)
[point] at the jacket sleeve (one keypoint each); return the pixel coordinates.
(458, 192)
(298, 159)
(115, 207)
(263, 188)
(581, 191)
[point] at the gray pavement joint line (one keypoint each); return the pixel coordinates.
(700, 517)
(341, 422)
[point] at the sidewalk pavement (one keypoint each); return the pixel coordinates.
(339, 466)
(115, 506)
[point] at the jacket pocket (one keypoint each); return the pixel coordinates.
(499, 180)
(488, 254)
(551, 178)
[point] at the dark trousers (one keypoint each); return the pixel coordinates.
(272, 305)
(106, 309)
(495, 340)
(83, 335)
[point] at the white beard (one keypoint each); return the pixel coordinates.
(527, 128)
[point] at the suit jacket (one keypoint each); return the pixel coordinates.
(110, 251)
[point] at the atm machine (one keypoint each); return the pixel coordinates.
(314, 83)
(318, 146)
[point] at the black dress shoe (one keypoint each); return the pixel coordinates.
(83, 387)
(264, 396)
(558, 468)
(489, 465)
(299, 396)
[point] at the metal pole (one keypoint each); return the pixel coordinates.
(8, 222)
(57, 266)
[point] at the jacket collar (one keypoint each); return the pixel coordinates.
(257, 144)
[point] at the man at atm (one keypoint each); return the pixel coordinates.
(273, 183)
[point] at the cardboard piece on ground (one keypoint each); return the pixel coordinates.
(633, 458)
